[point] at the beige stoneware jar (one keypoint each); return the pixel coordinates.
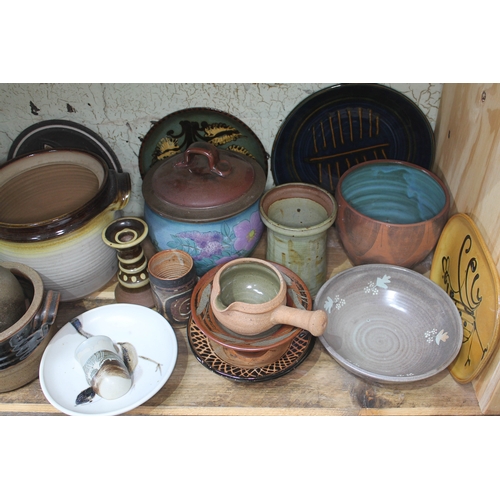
(54, 206)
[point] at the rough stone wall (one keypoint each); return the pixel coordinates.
(123, 113)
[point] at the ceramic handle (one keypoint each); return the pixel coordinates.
(120, 186)
(48, 312)
(211, 153)
(312, 321)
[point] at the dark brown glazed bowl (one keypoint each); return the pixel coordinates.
(23, 343)
(390, 212)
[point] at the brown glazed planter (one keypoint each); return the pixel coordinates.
(390, 212)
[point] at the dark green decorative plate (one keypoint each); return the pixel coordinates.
(341, 126)
(175, 132)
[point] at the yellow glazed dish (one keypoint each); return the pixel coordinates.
(462, 265)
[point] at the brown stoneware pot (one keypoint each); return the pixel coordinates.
(22, 344)
(390, 212)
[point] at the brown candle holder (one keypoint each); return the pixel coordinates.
(126, 236)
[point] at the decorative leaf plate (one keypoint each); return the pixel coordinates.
(463, 267)
(175, 132)
(347, 124)
(62, 134)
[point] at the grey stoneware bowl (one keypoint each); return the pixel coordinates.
(389, 324)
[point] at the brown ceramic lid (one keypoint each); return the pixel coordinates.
(203, 184)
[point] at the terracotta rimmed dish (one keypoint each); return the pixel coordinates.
(62, 378)
(241, 346)
(389, 324)
(175, 132)
(298, 350)
(62, 134)
(346, 124)
(463, 267)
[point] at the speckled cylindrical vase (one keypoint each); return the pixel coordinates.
(297, 217)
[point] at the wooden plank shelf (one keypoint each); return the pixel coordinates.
(318, 386)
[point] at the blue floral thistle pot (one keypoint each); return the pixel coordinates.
(205, 201)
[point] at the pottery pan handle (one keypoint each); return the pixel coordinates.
(48, 312)
(313, 321)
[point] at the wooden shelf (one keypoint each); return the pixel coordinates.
(318, 386)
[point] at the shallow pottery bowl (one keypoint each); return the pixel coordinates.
(390, 212)
(389, 324)
(244, 350)
(205, 202)
(22, 344)
(54, 206)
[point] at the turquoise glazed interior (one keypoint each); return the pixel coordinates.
(396, 194)
(248, 282)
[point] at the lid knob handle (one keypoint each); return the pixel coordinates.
(216, 166)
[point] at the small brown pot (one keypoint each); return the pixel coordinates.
(22, 344)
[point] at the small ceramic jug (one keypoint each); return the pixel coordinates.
(248, 296)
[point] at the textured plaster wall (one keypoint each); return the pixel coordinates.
(123, 113)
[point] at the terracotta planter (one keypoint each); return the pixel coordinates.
(54, 206)
(390, 212)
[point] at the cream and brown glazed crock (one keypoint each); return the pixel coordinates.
(54, 206)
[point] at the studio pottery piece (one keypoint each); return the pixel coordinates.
(389, 324)
(249, 295)
(205, 202)
(12, 300)
(22, 343)
(390, 212)
(297, 217)
(173, 278)
(126, 236)
(463, 267)
(54, 206)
